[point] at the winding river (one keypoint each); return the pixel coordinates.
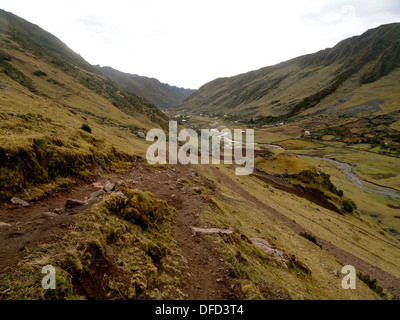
(346, 168)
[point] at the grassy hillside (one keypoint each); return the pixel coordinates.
(358, 73)
(160, 94)
(60, 117)
(109, 255)
(248, 206)
(61, 120)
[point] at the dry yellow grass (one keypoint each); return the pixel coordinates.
(247, 218)
(281, 163)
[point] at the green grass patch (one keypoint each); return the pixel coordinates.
(107, 256)
(86, 127)
(372, 284)
(310, 237)
(45, 160)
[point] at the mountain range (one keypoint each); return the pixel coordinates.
(77, 194)
(48, 93)
(160, 94)
(332, 83)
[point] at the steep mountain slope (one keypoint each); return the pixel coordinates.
(359, 70)
(160, 94)
(48, 95)
(128, 233)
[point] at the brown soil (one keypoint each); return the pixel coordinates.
(313, 195)
(205, 276)
(29, 227)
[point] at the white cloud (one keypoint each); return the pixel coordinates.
(190, 42)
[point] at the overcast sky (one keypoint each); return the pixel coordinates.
(190, 42)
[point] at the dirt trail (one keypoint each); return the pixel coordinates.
(206, 275)
(385, 279)
(30, 227)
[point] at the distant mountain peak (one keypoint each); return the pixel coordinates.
(160, 94)
(305, 83)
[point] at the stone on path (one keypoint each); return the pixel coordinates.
(97, 193)
(72, 203)
(22, 203)
(3, 224)
(211, 231)
(108, 186)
